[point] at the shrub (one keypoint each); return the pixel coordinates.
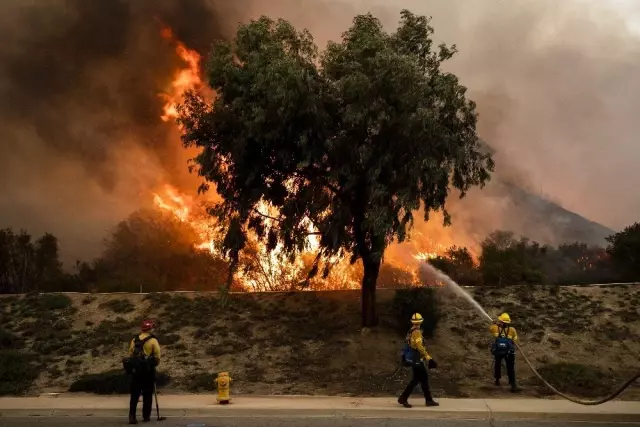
(118, 306)
(111, 333)
(54, 372)
(9, 340)
(88, 300)
(110, 382)
(17, 372)
(54, 302)
(406, 302)
(158, 299)
(458, 264)
(201, 381)
(574, 378)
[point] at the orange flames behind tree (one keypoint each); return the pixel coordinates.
(267, 270)
(185, 79)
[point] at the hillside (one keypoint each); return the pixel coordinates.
(505, 205)
(310, 343)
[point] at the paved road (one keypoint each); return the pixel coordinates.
(281, 422)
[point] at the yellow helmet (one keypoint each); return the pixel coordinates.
(504, 318)
(416, 319)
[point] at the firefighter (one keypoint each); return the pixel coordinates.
(504, 348)
(144, 356)
(420, 375)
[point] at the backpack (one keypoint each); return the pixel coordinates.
(502, 345)
(138, 363)
(408, 355)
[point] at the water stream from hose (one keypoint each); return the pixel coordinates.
(426, 270)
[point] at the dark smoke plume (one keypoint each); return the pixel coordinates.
(82, 142)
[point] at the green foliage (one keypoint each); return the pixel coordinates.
(110, 382)
(354, 140)
(118, 305)
(458, 264)
(624, 248)
(578, 379)
(406, 302)
(507, 261)
(18, 371)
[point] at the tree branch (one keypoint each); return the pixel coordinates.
(266, 216)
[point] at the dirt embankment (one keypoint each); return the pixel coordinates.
(585, 340)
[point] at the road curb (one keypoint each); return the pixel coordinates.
(385, 413)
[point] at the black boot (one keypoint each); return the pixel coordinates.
(497, 383)
(515, 389)
(132, 419)
(404, 403)
(432, 403)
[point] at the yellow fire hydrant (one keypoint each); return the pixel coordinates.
(224, 388)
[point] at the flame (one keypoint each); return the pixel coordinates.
(271, 271)
(185, 79)
(185, 210)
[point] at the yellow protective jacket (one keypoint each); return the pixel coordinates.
(151, 347)
(507, 331)
(416, 341)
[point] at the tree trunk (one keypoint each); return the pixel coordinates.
(371, 270)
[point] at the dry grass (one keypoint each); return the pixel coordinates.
(311, 343)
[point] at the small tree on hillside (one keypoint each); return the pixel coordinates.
(354, 140)
(458, 264)
(155, 251)
(508, 261)
(624, 248)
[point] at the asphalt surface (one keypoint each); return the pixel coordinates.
(297, 422)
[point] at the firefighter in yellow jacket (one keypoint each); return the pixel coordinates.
(504, 348)
(420, 375)
(144, 356)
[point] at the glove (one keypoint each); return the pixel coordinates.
(432, 364)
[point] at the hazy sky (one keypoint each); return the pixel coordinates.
(557, 84)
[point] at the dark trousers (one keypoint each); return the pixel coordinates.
(145, 385)
(510, 360)
(420, 376)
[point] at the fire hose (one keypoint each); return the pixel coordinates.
(461, 292)
(600, 401)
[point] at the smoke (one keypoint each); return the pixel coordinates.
(555, 84)
(82, 142)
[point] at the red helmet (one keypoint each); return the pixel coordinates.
(147, 325)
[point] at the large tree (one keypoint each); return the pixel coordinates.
(353, 140)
